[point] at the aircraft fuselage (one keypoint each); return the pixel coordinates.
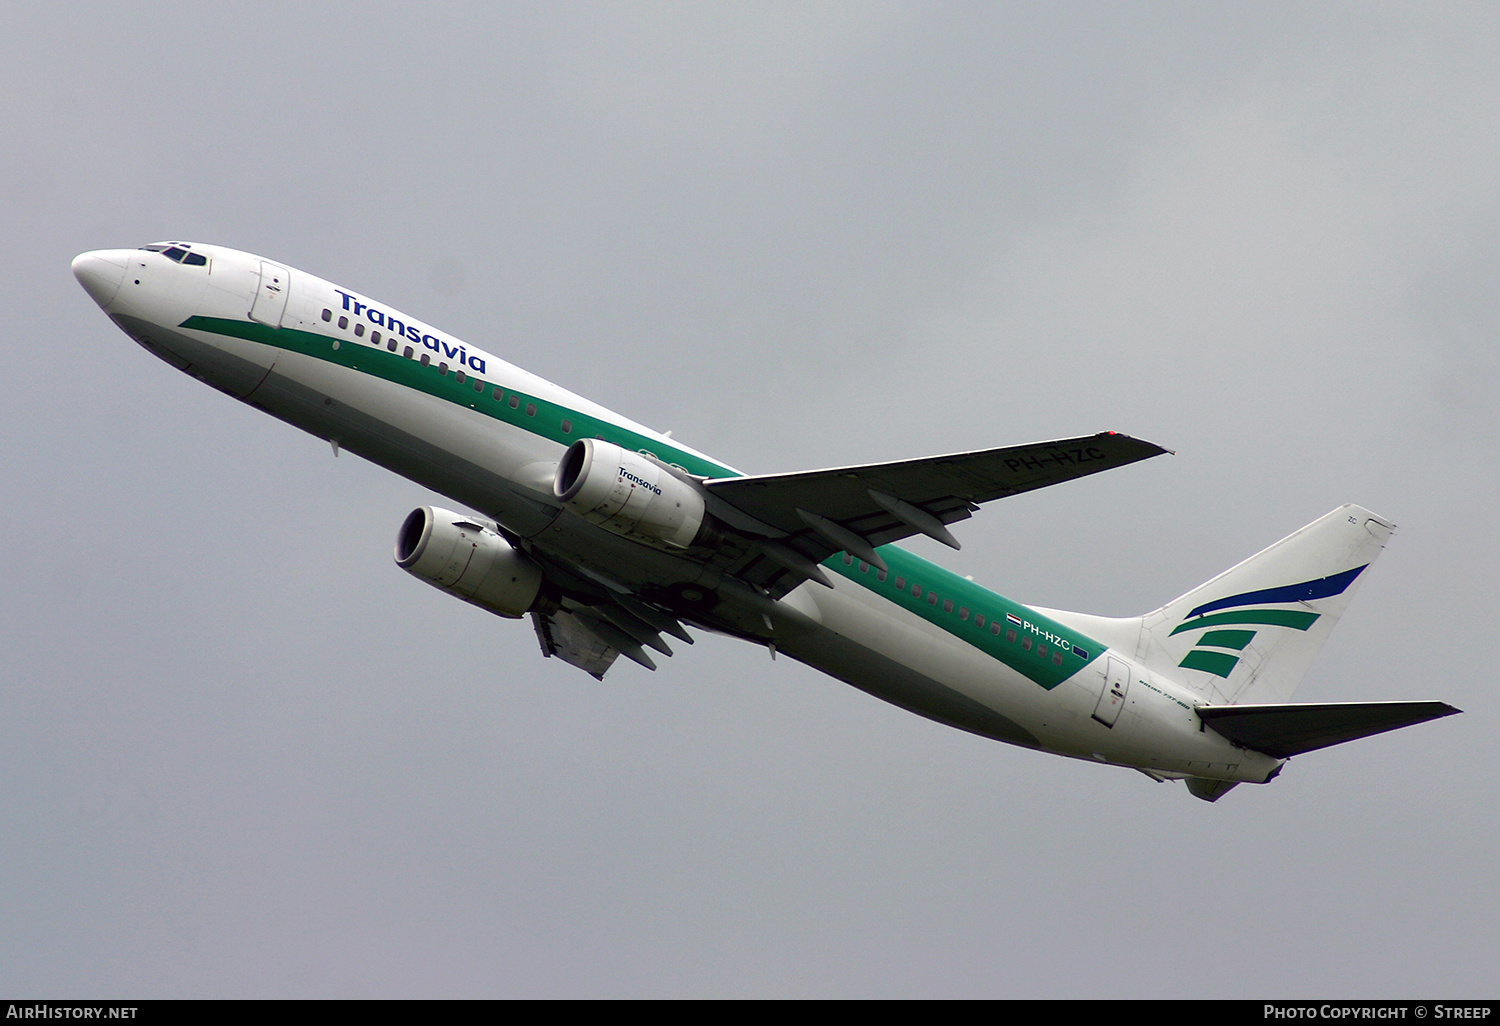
(466, 423)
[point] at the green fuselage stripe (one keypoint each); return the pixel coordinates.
(943, 598)
(1048, 638)
(546, 421)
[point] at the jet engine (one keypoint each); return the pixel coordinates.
(629, 493)
(467, 557)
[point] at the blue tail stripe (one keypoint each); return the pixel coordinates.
(1304, 592)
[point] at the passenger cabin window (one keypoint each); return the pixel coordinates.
(343, 321)
(567, 427)
(327, 314)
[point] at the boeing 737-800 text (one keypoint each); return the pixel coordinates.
(610, 536)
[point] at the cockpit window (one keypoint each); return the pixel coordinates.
(177, 251)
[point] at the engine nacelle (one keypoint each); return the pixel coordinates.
(467, 557)
(628, 494)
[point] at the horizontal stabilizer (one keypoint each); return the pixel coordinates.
(1282, 731)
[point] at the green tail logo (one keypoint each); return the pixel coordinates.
(1215, 652)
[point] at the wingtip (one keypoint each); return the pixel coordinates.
(1160, 449)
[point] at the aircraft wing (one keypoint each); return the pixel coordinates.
(806, 517)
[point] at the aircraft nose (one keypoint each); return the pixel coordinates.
(100, 272)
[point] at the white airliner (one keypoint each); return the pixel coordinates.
(611, 535)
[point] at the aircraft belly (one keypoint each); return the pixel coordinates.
(459, 453)
(415, 436)
(908, 661)
(236, 372)
(902, 659)
(895, 682)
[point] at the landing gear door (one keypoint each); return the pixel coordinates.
(1112, 698)
(270, 295)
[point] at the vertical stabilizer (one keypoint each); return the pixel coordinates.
(1249, 634)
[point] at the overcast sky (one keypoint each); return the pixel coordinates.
(247, 756)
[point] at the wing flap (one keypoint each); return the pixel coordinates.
(564, 635)
(592, 637)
